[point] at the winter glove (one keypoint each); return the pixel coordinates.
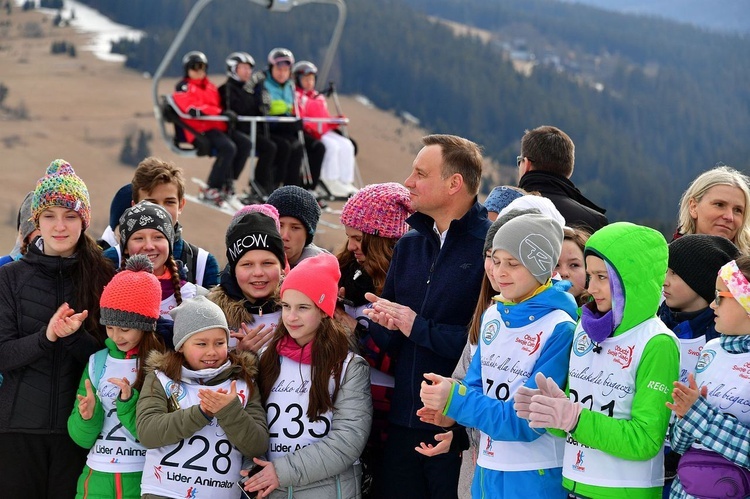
(522, 401)
(545, 386)
(231, 115)
(548, 387)
(194, 112)
(549, 412)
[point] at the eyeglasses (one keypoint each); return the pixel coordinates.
(718, 295)
(519, 159)
(197, 66)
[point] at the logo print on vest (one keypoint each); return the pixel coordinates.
(707, 356)
(582, 344)
(490, 331)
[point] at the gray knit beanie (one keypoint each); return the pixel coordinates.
(196, 315)
(535, 240)
(499, 222)
(25, 218)
(294, 201)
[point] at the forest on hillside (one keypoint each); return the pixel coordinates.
(675, 99)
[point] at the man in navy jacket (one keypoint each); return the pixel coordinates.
(427, 303)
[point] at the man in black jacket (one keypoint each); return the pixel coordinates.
(546, 165)
(234, 97)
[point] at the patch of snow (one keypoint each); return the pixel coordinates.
(103, 30)
(364, 101)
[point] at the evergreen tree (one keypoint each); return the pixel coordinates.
(127, 155)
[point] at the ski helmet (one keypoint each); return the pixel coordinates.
(193, 58)
(280, 54)
(236, 58)
(303, 68)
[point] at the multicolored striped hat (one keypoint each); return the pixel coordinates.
(60, 186)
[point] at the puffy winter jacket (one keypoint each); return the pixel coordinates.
(40, 376)
(202, 96)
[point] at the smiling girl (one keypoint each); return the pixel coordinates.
(147, 229)
(49, 325)
(316, 393)
(199, 411)
(249, 285)
(103, 418)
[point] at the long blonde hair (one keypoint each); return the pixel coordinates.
(721, 175)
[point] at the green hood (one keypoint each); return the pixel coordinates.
(639, 255)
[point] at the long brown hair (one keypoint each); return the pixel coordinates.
(91, 272)
(378, 253)
(329, 350)
(485, 300)
(150, 342)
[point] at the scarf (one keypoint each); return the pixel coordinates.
(287, 347)
(232, 289)
(735, 344)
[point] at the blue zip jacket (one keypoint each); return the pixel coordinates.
(442, 286)
(472, 408)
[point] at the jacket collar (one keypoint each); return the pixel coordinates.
(552, 183)
(471, 222)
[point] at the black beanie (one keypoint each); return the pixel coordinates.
(254, 231)
(294, 201)
(697, 258)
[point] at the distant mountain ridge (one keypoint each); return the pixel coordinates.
(728, 16)
(673, 99)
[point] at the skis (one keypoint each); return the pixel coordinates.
(226, 209)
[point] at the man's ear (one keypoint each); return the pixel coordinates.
(456, 182)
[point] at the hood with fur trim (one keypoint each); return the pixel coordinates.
(245, 363)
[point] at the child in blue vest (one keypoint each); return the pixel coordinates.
(528, 330)
(713, 426)
(103, 418)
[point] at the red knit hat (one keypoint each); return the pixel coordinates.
(317, 278)
(379, 209)
(132, 298)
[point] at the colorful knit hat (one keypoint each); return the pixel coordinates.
(146, 215)
(253, 231)
(296, 202)
(697, 258)
(737, 284)
(500, 197)
(317, 278)
(60, 186)
(132, 298)
(379, 209)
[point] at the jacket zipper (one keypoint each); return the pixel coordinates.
(60, 291)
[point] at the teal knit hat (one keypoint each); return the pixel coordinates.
(60, 186)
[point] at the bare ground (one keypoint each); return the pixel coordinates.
(81, 108)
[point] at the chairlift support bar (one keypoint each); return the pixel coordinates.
(273, 5)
